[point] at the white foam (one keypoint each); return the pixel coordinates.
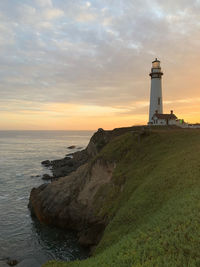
(20, 198)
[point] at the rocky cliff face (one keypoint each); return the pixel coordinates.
(71, 201)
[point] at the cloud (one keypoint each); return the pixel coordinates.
(86, 17)
(44, 3)
(53, 13)
(98, 53)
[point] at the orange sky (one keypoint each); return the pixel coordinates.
(58, 116)
(72, 65)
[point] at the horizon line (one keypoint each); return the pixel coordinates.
(43, 130)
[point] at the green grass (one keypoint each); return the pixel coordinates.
(152, 203)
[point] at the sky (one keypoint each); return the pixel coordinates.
(78, 65)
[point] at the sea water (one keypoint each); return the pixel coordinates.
(21, 153)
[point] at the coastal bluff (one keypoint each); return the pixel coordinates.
(135, 202)
(73, 201)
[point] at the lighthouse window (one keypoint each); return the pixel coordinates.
(159, 101)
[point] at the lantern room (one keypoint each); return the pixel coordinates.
(156, 64)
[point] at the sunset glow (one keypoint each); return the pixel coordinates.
(81, 65)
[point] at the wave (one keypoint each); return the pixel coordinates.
(20, 198)
(4, 197)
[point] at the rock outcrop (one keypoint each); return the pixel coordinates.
(70, 163)
(71, 201)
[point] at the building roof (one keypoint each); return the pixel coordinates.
(165, 116)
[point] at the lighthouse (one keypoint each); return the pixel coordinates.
(156, 103)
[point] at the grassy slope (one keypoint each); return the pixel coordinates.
(153, 202)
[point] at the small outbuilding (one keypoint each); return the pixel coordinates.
(164, 119)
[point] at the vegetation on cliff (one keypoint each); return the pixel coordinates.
(152, 204)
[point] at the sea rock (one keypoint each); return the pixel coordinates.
(69, 164)
(46, 163)
(12, 262)
(63, 167)
(46, 177)
(71, 147)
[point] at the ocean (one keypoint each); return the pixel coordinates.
(22, 236)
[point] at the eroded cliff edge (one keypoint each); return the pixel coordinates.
(73, 201)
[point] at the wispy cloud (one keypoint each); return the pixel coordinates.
(98, 53)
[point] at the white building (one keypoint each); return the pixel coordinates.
(156, 102)
(164, 119)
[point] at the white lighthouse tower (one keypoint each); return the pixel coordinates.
(156, 103)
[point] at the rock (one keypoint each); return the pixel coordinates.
(46, 177)
(42, 187)
(71, 147)
(12, 262)
(35, 176)
(46, 163)
(29, 263)
(70, 202)
(70, 163)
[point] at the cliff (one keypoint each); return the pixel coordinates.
(136, 199)
(63, 167)
(71, 201)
